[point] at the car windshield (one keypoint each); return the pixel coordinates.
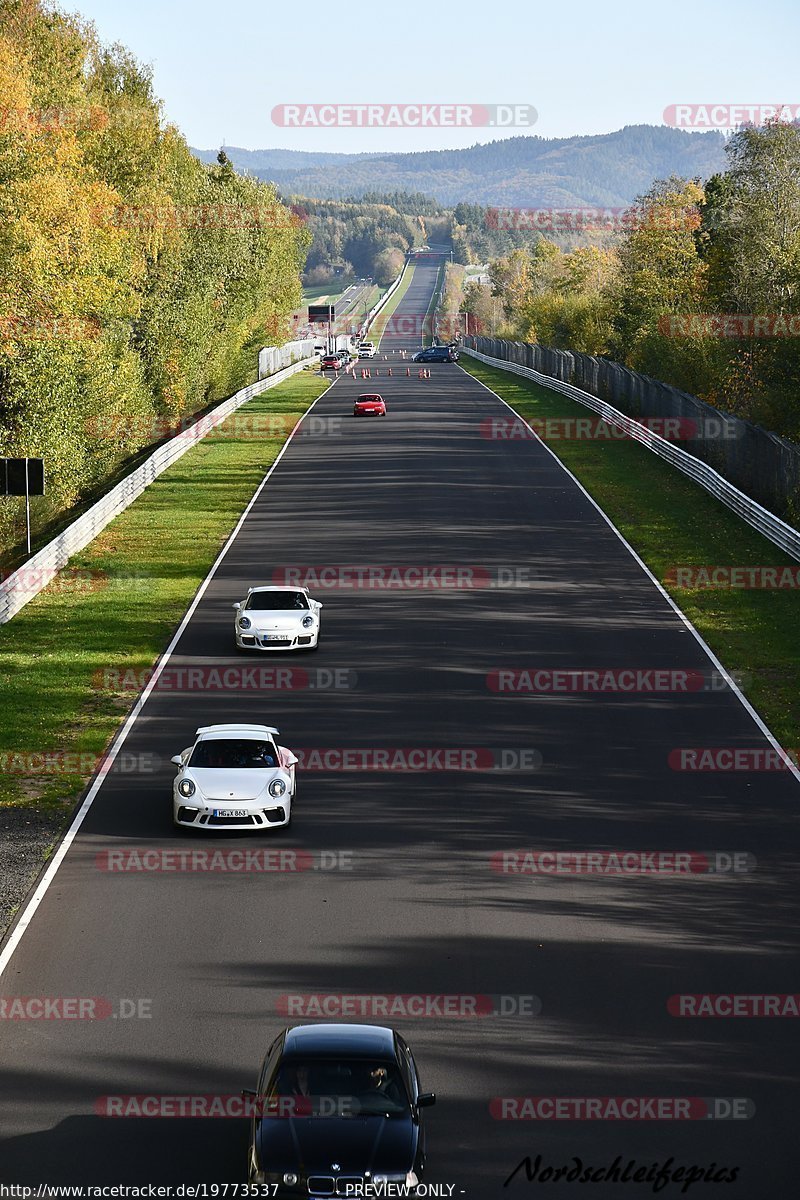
(277, 602)
(234, 754)
(342, 1087)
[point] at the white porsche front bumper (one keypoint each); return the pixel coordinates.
(205, 813)
(251, 639)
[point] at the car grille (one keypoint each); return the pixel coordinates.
(304, 641)
(348, 1181)
(328, 1185)
(251, 820)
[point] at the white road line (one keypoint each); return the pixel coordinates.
(35, 900)
(697, 636)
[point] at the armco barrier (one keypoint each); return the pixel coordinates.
(772, 527)
(27, 581)
(762, 464)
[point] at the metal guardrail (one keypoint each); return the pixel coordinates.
(779, 532)
(27, 581)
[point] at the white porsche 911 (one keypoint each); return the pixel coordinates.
(277, 618)
(234, 777)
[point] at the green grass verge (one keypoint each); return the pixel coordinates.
(379, 324)
(116, 605)
(323, 292)
(671, 522)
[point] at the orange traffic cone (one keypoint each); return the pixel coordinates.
(408, 370)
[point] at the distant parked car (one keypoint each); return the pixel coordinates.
(366, 350)
(369, 405)
(332, 362)
(436, 354)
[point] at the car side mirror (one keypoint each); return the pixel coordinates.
(426, 1099)
(177, 759)
(237, 605)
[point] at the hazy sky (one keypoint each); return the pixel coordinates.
(586, 67)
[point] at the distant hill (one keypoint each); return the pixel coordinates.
(608, 169)
(277, 160)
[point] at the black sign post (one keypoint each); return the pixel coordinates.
(22, 477)
(318, 314)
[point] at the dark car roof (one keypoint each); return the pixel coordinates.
(353, 1041)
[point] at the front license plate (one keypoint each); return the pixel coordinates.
(274, 637)
(231, 812)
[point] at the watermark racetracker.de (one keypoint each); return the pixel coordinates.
(597, 429)
(725, 115)
(335, 1006)
(403, 116)
(74, 1008)
(402, 577)
(621, 863)
(217, 677)
(732, 577)
(169, 860)
(729, 326)
(587, 220)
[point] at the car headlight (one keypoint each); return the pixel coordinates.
(410, 1179)
(290, 1179)
(308, 622)
(186, 787)
(277, 788)
(244, 622)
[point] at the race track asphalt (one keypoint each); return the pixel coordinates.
(402, 894)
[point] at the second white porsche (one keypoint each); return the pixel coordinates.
(277, 618)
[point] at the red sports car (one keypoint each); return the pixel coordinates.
(369, 405)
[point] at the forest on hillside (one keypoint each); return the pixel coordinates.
(604, 169)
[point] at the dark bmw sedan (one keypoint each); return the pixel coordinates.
(337, 1107)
